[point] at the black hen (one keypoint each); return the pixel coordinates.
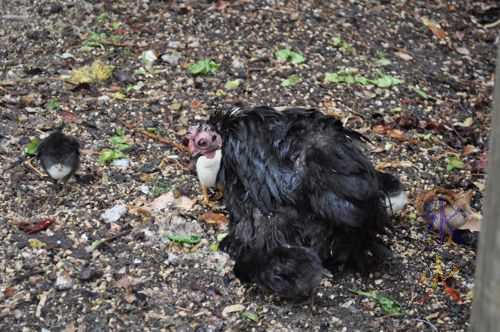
(300, 195)
(59, 155)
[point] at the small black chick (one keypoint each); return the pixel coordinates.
(59, 155)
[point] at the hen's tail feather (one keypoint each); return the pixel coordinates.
(291, 272)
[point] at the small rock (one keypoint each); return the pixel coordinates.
(144, 189)
(172, 259)
(87, 273)
(173, 44)
(31, 109)
(237, 63)
(172, 58)
(114, 213)
(64, 282)
(121, 163)
(103, 99)
(194, 44)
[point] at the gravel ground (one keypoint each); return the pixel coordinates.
(87, 271)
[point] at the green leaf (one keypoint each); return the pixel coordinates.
(453, 163)
(103, 17)
(160, 189)
(333, 78)
(95, 40)
(116, 38)
(115, 25)
(120, 131)
(362, 80)
(32, 148)
(183, 239)
(214, 247)
(203, 67)
(110, 155)
(427, 136)
(387, 303)
(250, 315)
(221, 236)
(148, 57)
(386, 81)
(119, 143)
(288, 55)
(339, 43)
(53, 105)
(96, 244)
(396, 110)
(232, 85)
(381, 54)
(383, 62)
(118, 95)
(153, 130)
(468, 122)
(136, 87)
(418, 91)
(142, 72)
(291, 80)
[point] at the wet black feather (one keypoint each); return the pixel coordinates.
(300, 194)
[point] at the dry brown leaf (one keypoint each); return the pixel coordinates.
(463, 50)
(124, 282)
(403, 55)
(440, 33)
(213, 218)
(69, 117)
(382, 166)
(468, 149)
(398, 134)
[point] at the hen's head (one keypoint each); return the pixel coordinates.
(204, 140)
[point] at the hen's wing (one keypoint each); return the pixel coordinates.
(301, 157)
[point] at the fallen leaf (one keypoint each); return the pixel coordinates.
(398, 164)
(468, 149)
(213, 218)
(36, 244)
(403, 55)
(9, 291)
(463, 50)
(124, 282)
(232, 308)
(183, 239)
(250, 315)
(387, 303)
(453, 163)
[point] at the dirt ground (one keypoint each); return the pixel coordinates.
(416, 77)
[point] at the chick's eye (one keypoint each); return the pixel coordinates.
(214, 137)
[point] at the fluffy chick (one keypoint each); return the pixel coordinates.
(59, 155)
(456, 207)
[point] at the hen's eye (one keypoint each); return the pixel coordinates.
(214, 137)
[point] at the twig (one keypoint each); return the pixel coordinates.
(140, 100)
(152, 136)
(492, 25)
(427, 322)
(30, 166)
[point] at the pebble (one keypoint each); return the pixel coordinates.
(64, 282)
(123, 163)
(114, 213)
(173, 44)
(172, 58)
(103, 99)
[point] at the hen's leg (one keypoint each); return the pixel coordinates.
(205, 194)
